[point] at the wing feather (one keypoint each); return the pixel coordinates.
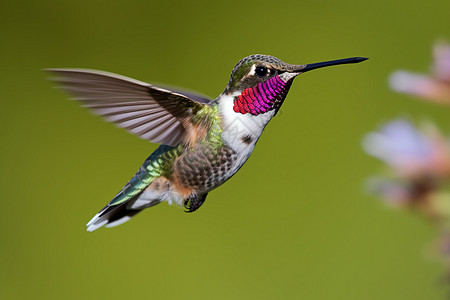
(156, 114)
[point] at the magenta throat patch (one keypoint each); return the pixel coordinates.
(266, 96)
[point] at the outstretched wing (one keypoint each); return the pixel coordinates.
(152, 113)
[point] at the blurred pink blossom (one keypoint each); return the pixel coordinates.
(419, 164)
(435, 87)
(411, 153)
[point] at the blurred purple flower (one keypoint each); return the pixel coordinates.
(411, 153)
(435, 87)
(419, 161)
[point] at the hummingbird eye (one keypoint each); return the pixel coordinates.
(261, 71)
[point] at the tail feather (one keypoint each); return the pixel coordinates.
(132, 198)
(113, 215)
(110, 216)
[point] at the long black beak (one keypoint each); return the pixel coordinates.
(351, 60)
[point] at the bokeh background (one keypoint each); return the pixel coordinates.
(294, 223)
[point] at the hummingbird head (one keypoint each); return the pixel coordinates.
(261, 82)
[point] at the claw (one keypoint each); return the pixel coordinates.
(194, 202)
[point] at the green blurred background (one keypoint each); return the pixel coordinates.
(294, 223)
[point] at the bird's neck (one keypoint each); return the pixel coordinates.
(240, 130)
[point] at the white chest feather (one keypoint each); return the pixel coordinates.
(241, 131)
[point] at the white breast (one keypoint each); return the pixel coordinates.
(241, 131)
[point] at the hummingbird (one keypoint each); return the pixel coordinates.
(203, 141)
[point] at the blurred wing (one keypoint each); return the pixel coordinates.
(152, 113)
